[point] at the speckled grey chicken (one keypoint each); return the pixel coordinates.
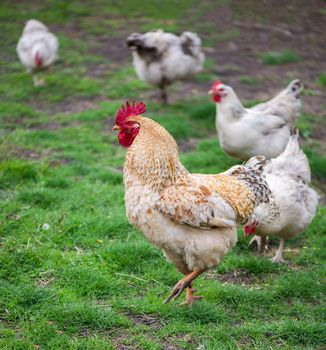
(292, 204)
(161, 58)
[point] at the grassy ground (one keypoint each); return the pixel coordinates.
(73, 273)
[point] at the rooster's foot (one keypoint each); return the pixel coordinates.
(177, 290)
(181, 285)
(190, 297)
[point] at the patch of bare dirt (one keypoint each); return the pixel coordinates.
(60, 161)
(271, 26)
(146, 320)
(240, 276)
(188, 338)
(49, 126)
(113, 48)
(68, 106)
(121, 340)
(28, 154)
(320, 134)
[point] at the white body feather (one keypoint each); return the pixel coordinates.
(261, 130)
(294, 204)
(36, 38)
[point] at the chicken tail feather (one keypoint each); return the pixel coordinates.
(295, 87)
(292, 160)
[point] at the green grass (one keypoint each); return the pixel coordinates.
(245, 79)
(73, 273)
(322, 79)
(274, 57)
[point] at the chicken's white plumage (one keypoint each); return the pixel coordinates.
(263, 129)
(37, 47)
(293, 203)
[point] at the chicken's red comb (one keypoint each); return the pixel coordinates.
(130, 110)
(215, 85)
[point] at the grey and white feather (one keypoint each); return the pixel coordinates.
(162, 58)
(293, 203)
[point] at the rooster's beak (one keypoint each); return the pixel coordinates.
(211, 92)
(116, 127)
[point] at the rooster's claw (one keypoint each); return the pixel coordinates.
(177, 290)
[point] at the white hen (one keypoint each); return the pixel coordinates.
(263, 129)
(161, 58)
(293, 203)
(37, 48)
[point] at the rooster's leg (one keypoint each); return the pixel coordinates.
(278, 258)
(184, 283)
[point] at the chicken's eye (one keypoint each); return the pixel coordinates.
(221, 89)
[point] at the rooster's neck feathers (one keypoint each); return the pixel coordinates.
(153, 156)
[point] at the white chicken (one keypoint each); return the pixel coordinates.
(192, 217)
(293, 203)
(37, 48)
(161, 58)
(263, 129)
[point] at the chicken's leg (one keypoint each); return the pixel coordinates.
(190, 297)
(37, 81)
(163, 94)
(261, 243)
(278, 258)
(184, 283)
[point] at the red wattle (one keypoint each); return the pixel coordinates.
(216, 98)
(126, 136)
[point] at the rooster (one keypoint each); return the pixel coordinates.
(192, 217)
(292, 204)
(161, 58)
(37, 48)
(263, 129)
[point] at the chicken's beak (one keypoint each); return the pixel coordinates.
(116, 128)
(211, 92)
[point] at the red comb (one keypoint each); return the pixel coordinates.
(215, 85)
(130, 110)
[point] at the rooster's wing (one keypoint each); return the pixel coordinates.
(196, 206)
